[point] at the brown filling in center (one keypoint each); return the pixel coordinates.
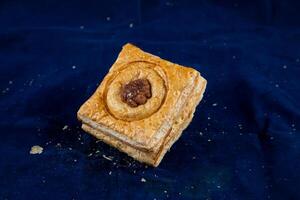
(136, 92)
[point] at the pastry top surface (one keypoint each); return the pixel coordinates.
(145, 120)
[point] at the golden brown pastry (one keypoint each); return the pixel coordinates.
(143, 104)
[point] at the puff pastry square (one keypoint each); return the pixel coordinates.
(146, 131)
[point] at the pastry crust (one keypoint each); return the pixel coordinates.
(154, 157)
(145, 132)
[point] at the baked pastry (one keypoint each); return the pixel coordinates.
(143, 104)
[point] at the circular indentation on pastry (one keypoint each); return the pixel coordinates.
(133, 71)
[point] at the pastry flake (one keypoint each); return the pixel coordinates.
(143, 104)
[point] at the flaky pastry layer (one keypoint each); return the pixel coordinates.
(180, 123)
(145, 134)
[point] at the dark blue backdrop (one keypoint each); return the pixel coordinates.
(242, 144)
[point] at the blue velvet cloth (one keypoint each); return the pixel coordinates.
(243, 142)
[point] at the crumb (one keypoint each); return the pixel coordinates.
(10, 82)
(209, 140)
(233, 57)
(130, 25)
(276, 85)
(107, 157)
(165, 191)
(214, 104)
(75, 160)
(81, 27)
(208, 118)
(194, 157)
(218, 186)
(108, 18)
(73, 67)
(65, 127)
(90, 154)
(30, 82)
(143, 180)
(70, 148)
(201, 133)
(284, 66)
(36, 149)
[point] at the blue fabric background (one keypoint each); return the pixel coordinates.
(242, 144)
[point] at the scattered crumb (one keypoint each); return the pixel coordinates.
(201, 133)
(215, 104)
(97, 151)
(293, 125)
(225, 107)
(143, 180)
(75, 160)
(276, 85)
(208, 118)
(107, 157)
(10, 82)
(5, 90)
(73, 67)
(209, 140)
(108, 18)
(284, 66)
(194, 157)
(65, 127)
(58, 145)
(109, 172)
(218, 186)
(240, 126)
(36, 149)
(165, 191)
(70, 148)
(90, 154)
(30, 82)
(233, 57)
(130, 25)
(81, 27)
